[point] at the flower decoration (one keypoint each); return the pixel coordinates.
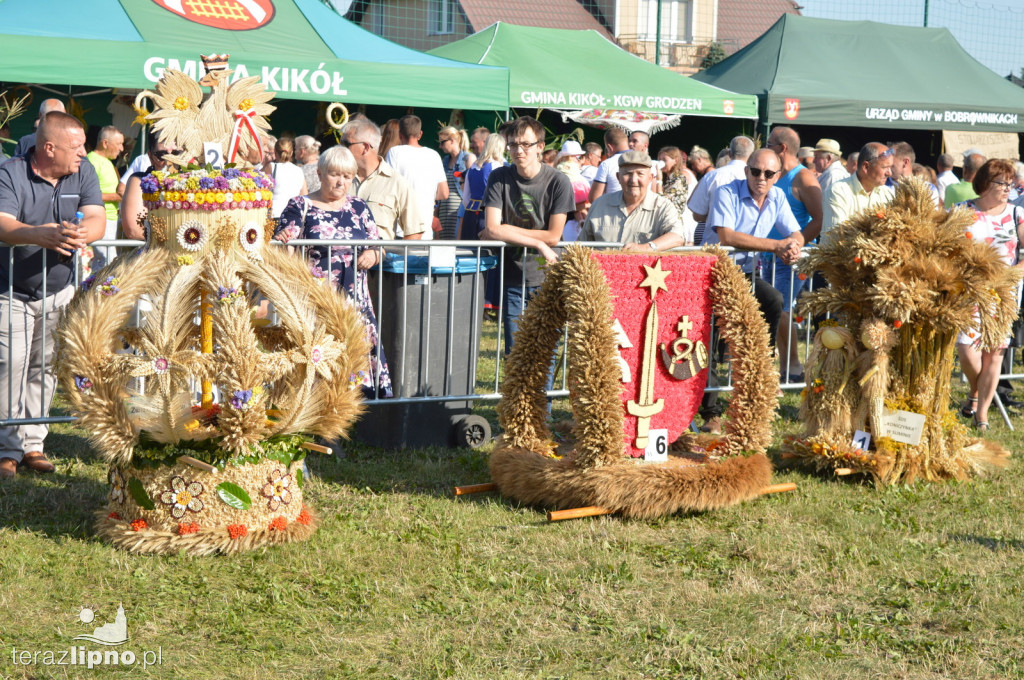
(250, 237)
(83, 384)
(185, 260)
(240, 399)
(189, 528)
(228, 295)
(117, 485)
(278, 524)
(304, 518)
(183, 496)
(246, 104)
(88, 281)
(139, 525)
(181, 103)
(276, 489)
(109, 286)
(161, 365)
(316, 355)
(236, 531)
(114, 515)
(192, 235)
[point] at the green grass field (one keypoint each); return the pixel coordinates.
(402, 580)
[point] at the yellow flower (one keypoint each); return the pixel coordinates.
(192, 425)
(184, 260)
(141, 116)
(200, 198)
(257, 390)
(245, 105)
(219, 197)
(181, 103)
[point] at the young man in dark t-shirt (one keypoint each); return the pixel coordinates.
(526, 205)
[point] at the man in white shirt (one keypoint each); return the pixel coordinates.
(828, 161)
(606, 180)
(422, 167)
(703, 196)
(591, 161)
(946, 177)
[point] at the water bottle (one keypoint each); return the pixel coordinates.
(79, 216)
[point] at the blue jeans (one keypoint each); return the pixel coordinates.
(514, 302)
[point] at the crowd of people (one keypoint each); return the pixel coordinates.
(501, 185)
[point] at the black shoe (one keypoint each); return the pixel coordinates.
(967, 410)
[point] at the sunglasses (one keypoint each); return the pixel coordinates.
(756, 172)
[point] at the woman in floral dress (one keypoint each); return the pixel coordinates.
(330, 214)
(997, 223)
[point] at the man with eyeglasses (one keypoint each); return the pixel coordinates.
(526, 205)
(745, 213)
(40, 192)
(862, 190)
(154, 159)
(389, 195)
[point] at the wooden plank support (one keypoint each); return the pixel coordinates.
(843, 472)
(778, 488)
(475, 488)
(316, 447)
(189, 460)
(595, 511)
(577, 513)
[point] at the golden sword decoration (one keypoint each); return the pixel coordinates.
(648, 406)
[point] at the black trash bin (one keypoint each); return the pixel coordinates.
(440, 309)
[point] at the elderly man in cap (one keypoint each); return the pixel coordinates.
(828, 161)
(635, 216)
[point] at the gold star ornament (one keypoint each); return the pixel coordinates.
(655, 278)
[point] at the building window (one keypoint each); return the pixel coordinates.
(442, 16)
(675, 20)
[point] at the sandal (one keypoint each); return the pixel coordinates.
(36, 461)
(967, 410)
(980, 425)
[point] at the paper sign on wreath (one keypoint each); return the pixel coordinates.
(664, 314)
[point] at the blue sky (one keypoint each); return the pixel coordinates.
(992, 32)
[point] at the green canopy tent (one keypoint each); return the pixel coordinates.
(301, 49)
(562, 69)
(808, 71)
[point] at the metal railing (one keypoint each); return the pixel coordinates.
(415, 300)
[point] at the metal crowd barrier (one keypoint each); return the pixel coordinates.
(442, 388)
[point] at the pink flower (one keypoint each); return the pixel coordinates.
(161, 365)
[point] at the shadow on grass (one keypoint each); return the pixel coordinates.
(55, 505)
(992, 544)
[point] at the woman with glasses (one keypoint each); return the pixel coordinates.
(331, 214)
(997, 223)
(454, 147)
(133, 213)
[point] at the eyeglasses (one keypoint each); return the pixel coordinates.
(1003, 185)
(756, 172)
(442, 140)
(345, 143)
(163, 154)
(525, 146)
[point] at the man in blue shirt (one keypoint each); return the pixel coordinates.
(743, 214)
